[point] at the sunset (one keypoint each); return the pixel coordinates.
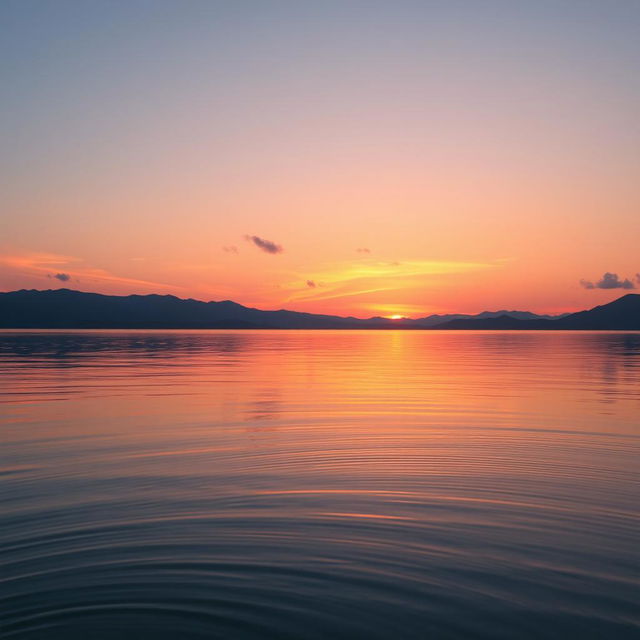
(320, 319)
(410, 157)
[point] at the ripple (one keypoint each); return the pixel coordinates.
(319, 485)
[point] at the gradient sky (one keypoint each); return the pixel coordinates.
(401, 157)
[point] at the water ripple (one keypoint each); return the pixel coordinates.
(319, 485)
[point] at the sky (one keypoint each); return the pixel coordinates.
(354, 157)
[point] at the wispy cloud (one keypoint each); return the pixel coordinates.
(264, 245)
(42, 264)
(357, 279)
(231, 248)
(311, 284)
(610, 281)
(363, 250)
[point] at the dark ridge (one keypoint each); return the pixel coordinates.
(622, 314)
(68, 309)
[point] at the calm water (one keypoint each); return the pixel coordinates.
(320, 485)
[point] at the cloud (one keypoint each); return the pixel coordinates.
(368, 276)
(638, 277)
(265, 245)
(363, 250)
(311, 284)
(609, 281)
(41, 265)
(231, 248)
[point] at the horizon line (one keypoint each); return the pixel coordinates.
(396, 318)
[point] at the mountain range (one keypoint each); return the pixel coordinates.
(68, 309)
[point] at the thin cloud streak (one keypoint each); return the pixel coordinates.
(344, 294)
(41, 264)
(350, 279)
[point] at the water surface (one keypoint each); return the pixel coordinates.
(293, 484)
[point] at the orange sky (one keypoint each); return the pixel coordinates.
(484, 159)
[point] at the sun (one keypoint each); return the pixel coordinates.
(395, 317)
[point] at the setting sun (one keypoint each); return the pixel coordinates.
(320, 319)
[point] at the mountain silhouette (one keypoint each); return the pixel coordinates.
(622, 314)
(64, 308)
(68, 309)
(434, 320)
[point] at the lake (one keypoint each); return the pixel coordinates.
(319, 484)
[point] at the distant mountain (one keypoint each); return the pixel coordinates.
(503, 322)
(67, 309)
(622, 314)
(432, 321)
(64, 308)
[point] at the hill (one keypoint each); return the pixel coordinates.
(68, 309)
(622, 314)
(64, 308)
